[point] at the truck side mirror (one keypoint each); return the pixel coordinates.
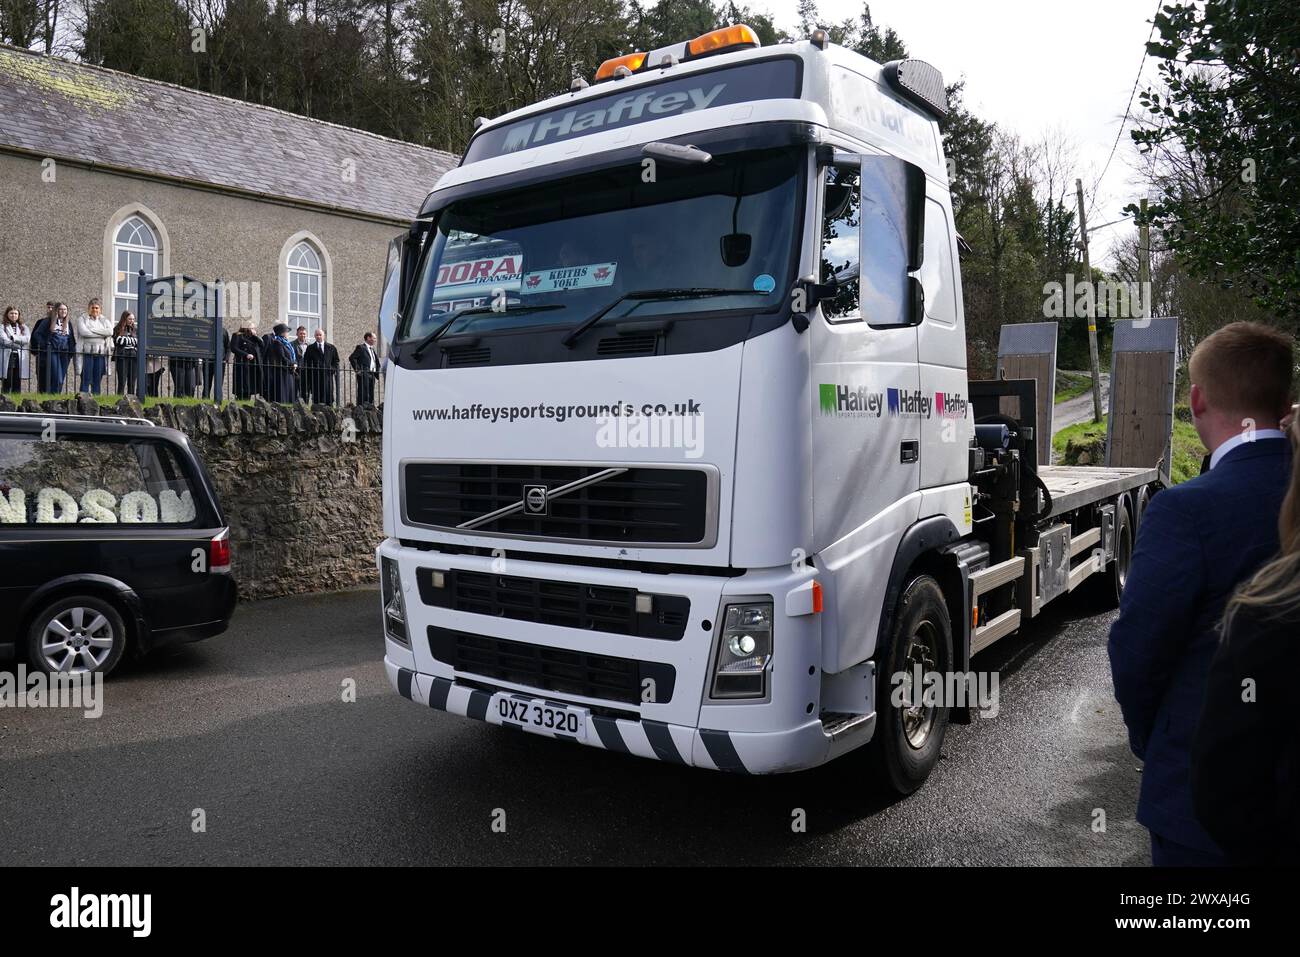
(388, 297)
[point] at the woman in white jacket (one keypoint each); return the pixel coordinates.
(94, 343)
(15, 338)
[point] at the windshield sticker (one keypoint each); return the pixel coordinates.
(764, 283)
(570, 277)
(458, 280)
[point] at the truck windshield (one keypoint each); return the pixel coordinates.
(575, 246)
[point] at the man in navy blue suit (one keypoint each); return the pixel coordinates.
(1197, 542)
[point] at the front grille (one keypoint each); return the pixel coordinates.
(566, 604)
(640, 505)
(560, 670)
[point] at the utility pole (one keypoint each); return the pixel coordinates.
(1092, 308)
(1144, 261)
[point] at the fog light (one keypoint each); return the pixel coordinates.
(744, 651)
(390, 580)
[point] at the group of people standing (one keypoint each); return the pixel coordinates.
(281, 369)
(273, 366)
(55, 342)
(47, 349)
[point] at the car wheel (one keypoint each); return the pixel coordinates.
(80, 634)
(908, 739)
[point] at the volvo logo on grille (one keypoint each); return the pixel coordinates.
(535, 500)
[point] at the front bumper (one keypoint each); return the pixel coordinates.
(743, 752)
(781, 732)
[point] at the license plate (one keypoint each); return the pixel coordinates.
(540, 717)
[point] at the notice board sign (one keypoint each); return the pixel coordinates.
(179, 318)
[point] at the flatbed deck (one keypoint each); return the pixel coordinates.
(1073, 486)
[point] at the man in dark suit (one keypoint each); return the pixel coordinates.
(365, 362)
(321, 369)
(1197, 542)
(300, 383)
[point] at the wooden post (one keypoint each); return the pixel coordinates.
(1092, 309)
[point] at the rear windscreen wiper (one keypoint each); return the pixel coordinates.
(683, 293)
(474, 310)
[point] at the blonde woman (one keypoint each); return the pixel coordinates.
(94, 332)
(1246, 757)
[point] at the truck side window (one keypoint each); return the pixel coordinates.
(937, 272)
(839, 252)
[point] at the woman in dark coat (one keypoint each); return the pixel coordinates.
(247, 354)
(280, 363)
(1246, 756)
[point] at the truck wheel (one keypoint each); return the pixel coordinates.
(79, 634)
(907, 739)
(1143, 499)
(1110, 584)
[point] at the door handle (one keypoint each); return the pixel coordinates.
(909, 452)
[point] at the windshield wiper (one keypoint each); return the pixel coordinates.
(475, 310)
(685, 293)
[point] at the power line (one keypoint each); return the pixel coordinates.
(1127, 109)
(1122, 219)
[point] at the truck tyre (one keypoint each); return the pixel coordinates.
(77, 634)
(907, 740)
(1110, 583)
(1143, 499)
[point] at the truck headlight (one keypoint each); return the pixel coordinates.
(744, 651)
(394, 603)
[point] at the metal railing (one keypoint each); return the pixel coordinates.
(60, 373)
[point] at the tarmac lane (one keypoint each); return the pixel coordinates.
(281, 742)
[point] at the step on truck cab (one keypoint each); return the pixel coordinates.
(681, 459)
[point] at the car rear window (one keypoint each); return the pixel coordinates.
(54, 478)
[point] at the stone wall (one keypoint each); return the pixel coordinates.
(300, 485)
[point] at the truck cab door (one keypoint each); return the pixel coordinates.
(868, 405)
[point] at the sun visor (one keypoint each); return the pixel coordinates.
(719, 142)
(920, 84)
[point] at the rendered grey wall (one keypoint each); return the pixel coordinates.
(52, 242)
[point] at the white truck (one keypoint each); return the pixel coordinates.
(680, 455)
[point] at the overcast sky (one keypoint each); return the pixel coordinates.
(1031, 66)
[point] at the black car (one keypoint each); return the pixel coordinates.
(111, 540)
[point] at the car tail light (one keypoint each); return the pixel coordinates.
(219, 552)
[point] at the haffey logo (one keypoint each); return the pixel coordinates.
(950, 405)
(910, 403)
(846, 400)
